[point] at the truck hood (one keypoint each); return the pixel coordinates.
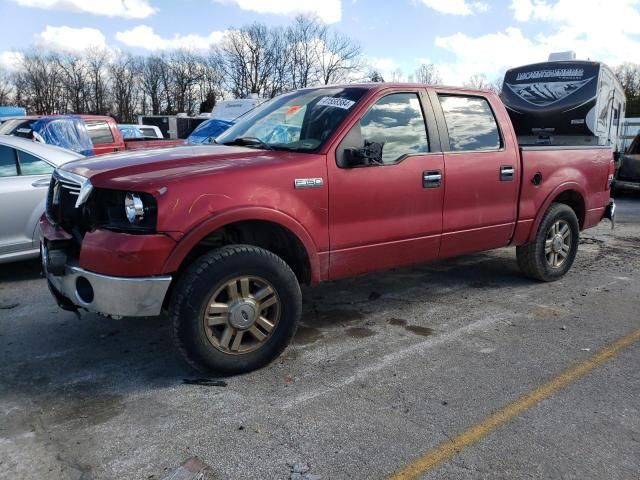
(147, 170)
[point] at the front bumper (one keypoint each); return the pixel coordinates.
(104, 294)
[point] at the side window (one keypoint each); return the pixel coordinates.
(99, 132)
(471, 124)
(32, 165)
(8, 167)
(397, 122)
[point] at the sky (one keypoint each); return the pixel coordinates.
(461, 37)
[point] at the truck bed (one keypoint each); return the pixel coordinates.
(583, 169)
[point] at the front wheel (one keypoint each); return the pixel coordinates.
(554, 249)
(235, 310)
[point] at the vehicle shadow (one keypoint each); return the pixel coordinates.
(23, 270)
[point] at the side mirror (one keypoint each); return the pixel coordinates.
(370, 154)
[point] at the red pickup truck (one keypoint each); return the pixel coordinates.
(315, 185)
(103, 132)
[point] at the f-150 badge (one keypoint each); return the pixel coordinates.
(308, 182)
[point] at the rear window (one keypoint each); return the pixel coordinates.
(471, 124)
(99, 132)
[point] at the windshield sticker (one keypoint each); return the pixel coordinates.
(23, 130)
(336, 102)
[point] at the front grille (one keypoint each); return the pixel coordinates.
(61, 198)
(64, 192)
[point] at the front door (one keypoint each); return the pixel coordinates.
(386, 214)
(482, 176)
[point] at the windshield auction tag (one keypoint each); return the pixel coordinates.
(336, 102)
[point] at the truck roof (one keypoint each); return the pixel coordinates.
(378, 86)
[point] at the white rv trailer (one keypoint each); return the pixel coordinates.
(566, 102)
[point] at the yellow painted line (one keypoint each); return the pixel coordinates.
(474, 434)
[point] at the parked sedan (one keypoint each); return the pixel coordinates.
(25, 172)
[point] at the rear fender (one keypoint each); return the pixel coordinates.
(559, 190)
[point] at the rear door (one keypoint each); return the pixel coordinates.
(482, 174)
(387, 214)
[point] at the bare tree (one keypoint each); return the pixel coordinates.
(39, 81)
(123, 73)
(211, 84)
(302, 50)
(151, 72)
(249, 59)
(5, 89)
(338, 56)
(427, 73)
(375, 76)
(75, 78)
(184, 67)
(478, 81)
(629, 76)
(97, 66)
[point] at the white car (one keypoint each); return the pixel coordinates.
(25, 172)
(130, 130)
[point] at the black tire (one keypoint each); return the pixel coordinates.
(206, 276)
(532, 258)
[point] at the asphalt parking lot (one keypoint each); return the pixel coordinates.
(448, 370)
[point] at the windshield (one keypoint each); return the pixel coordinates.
(300, 120)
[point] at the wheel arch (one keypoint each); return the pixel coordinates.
(266, 228)
(571, 194)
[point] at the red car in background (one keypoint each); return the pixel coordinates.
(102, 131)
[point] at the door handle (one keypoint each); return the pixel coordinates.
(507, 173)
(432, 179)
(43, 182)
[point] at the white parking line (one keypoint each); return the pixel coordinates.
(397, 356)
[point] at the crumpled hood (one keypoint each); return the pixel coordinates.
(147, 170)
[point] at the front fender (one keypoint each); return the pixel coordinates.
(211, 224)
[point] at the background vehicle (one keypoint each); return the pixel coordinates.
(565, 103)
(208, 130)
(317, 184)
(25, 172)
(627, 175)
(139, 131)
(72, 131)
(11, 111)
(231, 109)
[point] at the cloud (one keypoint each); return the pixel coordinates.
(69, 39)
(329, 11)
(10, 61)
(387, 67)
(456, 7)
(607, 34)
(108, 8)
(144, 37)
(473, 55)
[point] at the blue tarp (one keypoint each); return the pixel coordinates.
(67, 131)
(208, 130)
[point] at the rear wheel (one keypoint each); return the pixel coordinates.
(554, 249)
(235, 310)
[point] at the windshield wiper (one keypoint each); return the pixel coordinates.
(249, 142)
